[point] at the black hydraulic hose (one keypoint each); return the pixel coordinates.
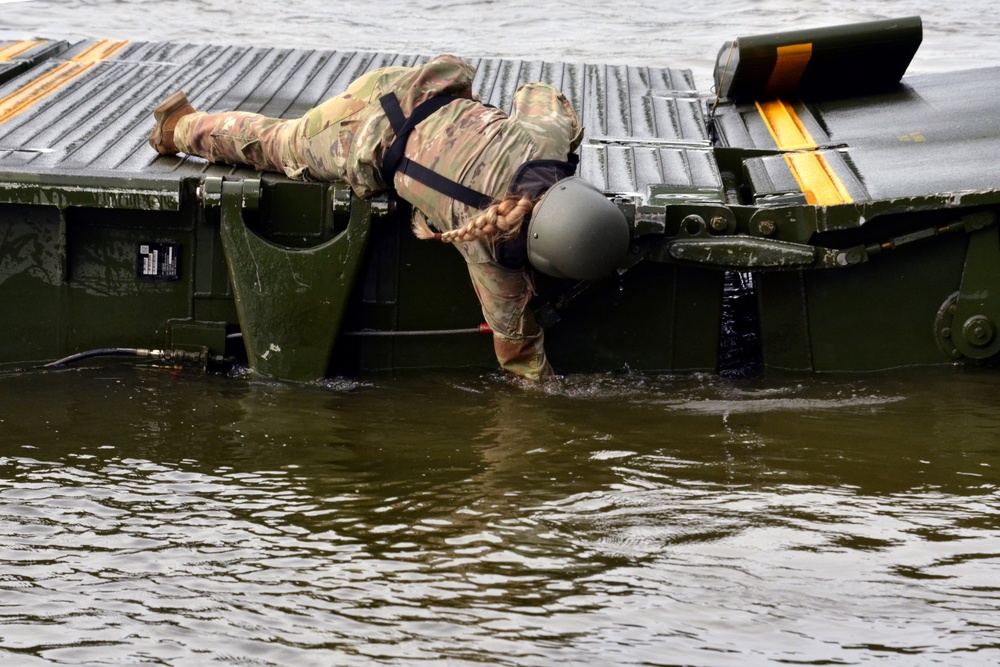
(177, 356)
(103, 352)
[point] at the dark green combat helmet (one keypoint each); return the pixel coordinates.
(576, 232)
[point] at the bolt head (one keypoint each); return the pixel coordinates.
(978, 330)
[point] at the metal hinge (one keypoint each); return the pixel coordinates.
(243, 193)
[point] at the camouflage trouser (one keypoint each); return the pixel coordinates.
(318, 143)
(240, 138)
(519, 343)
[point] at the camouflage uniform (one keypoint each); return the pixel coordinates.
(480, 147)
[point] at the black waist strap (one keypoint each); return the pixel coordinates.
(396, 160)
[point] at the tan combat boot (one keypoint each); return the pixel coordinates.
(166, 116)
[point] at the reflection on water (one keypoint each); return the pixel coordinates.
(176, 518)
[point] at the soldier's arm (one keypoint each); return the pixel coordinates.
(517, 339)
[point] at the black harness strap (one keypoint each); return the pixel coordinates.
(396, 160)
(394, 112)
(402, 126)
(444, 185)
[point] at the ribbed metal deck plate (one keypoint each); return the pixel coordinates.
(61, 120)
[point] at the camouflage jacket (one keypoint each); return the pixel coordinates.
(468, 142)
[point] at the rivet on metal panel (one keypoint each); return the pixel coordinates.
(851, 256)
(978, 221)
(766, 227)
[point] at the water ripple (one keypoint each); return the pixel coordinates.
(599, 520)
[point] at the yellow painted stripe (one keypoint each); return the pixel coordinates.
(814, 174)
(12, 51)
(817, 179)
(785, 125)
(29, 94)
(788, 68)
(101, 50)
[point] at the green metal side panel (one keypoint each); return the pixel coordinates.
(290, 300)
(32, 274)
(656, 317)
(875, 316)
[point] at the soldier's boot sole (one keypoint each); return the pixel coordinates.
(166, 116)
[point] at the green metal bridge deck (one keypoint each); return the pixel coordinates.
(865, 211)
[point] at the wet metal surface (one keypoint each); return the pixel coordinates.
(641, 121)
(934, 134)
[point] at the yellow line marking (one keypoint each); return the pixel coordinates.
(785, 125)
(817, 179)
(12, 51)
(46, 84)
(101, 50)
(788, 68)
(814, 174)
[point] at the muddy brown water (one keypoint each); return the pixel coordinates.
(160, 517)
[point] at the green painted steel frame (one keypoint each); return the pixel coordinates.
(291, 301)
(89, 192)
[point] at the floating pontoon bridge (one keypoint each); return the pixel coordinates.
(863, 203)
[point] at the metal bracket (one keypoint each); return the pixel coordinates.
(967, 324)
(743, 252)
(698, 243)
(290, 301)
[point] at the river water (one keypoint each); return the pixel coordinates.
(160, 517)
